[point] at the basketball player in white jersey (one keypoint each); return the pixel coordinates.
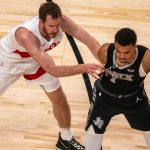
(23, 52)
(120, 89)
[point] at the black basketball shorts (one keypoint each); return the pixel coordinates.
(103, 107)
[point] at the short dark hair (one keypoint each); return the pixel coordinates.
(49, 8)
(126, 36)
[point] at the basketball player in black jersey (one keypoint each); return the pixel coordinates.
(120, 89)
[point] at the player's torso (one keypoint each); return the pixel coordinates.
(13, 52)
(126, 79)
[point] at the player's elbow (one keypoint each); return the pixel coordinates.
(54, 71)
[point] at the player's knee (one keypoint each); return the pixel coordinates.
(61, 102)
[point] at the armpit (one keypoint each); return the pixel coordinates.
(142, 73)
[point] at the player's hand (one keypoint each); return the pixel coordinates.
(93, 69)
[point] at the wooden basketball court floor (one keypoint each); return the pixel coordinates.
(26, 118)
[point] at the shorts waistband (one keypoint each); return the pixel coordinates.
(115, 95)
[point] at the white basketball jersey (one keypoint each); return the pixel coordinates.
(11, 51)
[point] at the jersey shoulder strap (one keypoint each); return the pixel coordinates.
(110, 52)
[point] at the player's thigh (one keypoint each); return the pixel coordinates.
(57, 96)
(6, 81)
(46, 81)
(139, 121)
(51, 86)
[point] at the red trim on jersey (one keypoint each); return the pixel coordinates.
(26, 54)
(38, 73)
(22, 54)
(52, 46)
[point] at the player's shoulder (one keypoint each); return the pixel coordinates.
(102, 53)
(22, 31)
(65, 20)
(105, 46)
(146, 62)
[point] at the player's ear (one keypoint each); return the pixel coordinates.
(41, 22)
(135, 46)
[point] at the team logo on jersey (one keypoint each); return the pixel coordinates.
(98, 122)
(115, 75)
(52, 46)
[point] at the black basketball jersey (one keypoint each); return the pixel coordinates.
(122, 80)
